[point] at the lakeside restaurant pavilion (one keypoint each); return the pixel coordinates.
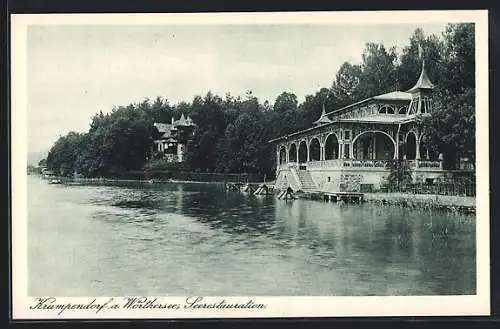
(348, 149)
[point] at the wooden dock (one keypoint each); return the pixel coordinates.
(343, 196)
(263, 189)
(250, 188)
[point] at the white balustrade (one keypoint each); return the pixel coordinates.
(429, 164)
(355, 163)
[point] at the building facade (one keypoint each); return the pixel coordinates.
(172, 138)
(349, 149)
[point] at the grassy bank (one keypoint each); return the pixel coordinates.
(425, 201)
(79, 180)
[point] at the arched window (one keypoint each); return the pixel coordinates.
(403, 109)
(292, 153)
(331, 147)
(282, 155)
(386, 109)
(314, 150)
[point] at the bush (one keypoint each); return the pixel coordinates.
(161, 168)
(162, 165)
(400, 175)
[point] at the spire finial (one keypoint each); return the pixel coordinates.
(323, 118)
(421, 55)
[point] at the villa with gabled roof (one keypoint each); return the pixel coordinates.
(349, 149)
(172, 138)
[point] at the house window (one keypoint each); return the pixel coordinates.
(329, 178)
(403, 109)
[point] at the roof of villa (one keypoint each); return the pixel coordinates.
(163, 127)
(166, 128)
(184, 121)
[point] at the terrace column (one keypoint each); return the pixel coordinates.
(297, 149)
(322, 152)
(374, 143)
(417, 150)
(277, 157)
(287, 156)
(396, 151)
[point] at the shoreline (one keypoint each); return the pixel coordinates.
(424, 201)
(146, 181)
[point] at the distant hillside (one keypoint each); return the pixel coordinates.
(35, 157)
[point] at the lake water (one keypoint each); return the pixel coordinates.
(196, 239)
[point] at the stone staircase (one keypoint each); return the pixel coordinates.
(306, 182)
(287, 178)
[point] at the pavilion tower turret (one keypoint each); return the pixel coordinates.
(421, 94)
(323, 119)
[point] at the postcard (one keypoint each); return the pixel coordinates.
(250, 165)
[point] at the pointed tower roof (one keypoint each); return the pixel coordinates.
(423, 81)
(181, 121)
(189, 121)
(323, 118)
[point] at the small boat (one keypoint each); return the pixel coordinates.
(55, 181)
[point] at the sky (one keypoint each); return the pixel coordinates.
(75, 71)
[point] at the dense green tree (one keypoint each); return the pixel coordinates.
(42, 163)
(243, 141)
(285, 102)
(420, 48)
(310, 110)
(346, 84)
(451, 128)
(459, 69)
(400, 174)
(379, 70)
(63, 155)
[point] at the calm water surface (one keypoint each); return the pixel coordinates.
(193, 239)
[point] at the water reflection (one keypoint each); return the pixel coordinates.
(227, 243)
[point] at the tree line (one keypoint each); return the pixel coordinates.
(232, 133)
